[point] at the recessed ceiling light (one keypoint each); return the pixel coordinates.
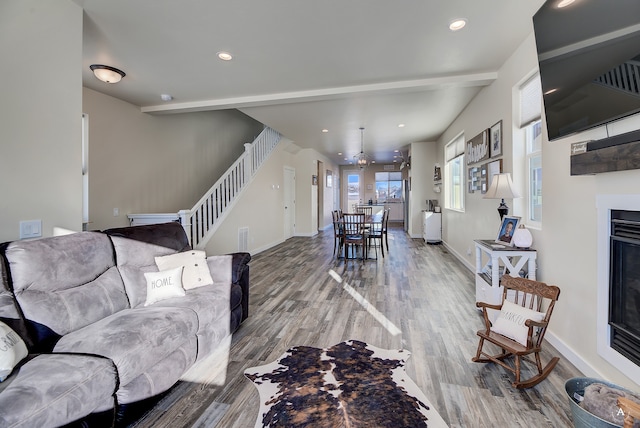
(339, 153)
(396, 151)
(325, 130)
(457, 24)
(564, 3)
(166, 97)
(401, 125)
(225, 56)
(551, 91)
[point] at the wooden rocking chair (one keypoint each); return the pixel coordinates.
(527, 294)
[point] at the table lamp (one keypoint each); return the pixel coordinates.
(502, 188)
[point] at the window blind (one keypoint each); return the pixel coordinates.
(455, 148)
(530, 101)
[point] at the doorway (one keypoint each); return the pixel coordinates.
(289, 202)
(352, 180)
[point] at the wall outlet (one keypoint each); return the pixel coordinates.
(116, 212)
(468, 251)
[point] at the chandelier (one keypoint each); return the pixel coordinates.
(361, 159)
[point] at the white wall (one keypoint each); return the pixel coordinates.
(143, 163)
(423, 161)
(566, 244)
(40, 115)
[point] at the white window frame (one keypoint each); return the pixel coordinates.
(454, 154)
(530, 103)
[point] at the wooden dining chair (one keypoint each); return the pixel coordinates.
(520, 328)
(631, 411)
(376, 233)
(337, 232)
(353, 233)
(364, 210)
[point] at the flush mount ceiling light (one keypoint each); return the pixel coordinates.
(361, 159)
(225, 56)
(457, 24)
(166, 97)
(107, 73)
(564, 3)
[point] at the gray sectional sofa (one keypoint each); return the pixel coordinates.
(95, 345)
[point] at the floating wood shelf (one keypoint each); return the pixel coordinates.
(618, 153)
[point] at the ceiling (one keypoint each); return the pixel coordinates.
(302, 66)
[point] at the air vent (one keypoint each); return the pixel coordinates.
(243, 239)
(389, 167)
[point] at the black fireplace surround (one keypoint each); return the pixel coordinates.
(624, 284)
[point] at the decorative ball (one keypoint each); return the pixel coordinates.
(522, 238)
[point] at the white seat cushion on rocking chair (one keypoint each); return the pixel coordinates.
(510, 322)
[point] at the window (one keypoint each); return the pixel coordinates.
(454, 174)
(530, 123)
(388, 186)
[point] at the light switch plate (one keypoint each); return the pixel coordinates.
(30, 229)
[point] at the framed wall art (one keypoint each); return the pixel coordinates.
(495, 138)
(478, 148)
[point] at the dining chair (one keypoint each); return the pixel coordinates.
(353, 233)
(337, 232)
(385, 229)
(376, 233)
(364, 210)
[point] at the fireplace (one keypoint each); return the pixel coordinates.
(624, 284)
(618, 278)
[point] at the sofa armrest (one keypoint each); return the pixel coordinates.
(240, 276)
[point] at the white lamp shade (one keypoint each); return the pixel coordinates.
(501, 187)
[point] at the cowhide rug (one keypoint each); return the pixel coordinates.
(351, 384)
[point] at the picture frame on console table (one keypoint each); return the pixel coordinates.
(507, 228)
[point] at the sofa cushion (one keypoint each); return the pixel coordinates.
(161, 376)
(134, 259)
(134, 339)
(66, 282)
(56, 389)
(169, 235)
(163, 285)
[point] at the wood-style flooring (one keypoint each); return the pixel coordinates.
(419, 297)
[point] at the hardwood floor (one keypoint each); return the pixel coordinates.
(419, 297)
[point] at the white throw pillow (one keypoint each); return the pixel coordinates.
(196, 272)
(510, 322)
(12, 350)
(163, 285)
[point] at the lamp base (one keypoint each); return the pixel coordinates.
(503, 209)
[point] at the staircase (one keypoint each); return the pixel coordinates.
(201, 221)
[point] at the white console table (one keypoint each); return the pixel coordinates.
(494, 260)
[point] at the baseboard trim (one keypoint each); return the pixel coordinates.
(575, 359)
(460, 258)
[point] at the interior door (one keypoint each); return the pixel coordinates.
(289, 202)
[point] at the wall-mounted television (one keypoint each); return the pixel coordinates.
(589, 58)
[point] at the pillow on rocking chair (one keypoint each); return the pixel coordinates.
(511, 321)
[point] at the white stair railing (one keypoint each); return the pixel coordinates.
(201, 221)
